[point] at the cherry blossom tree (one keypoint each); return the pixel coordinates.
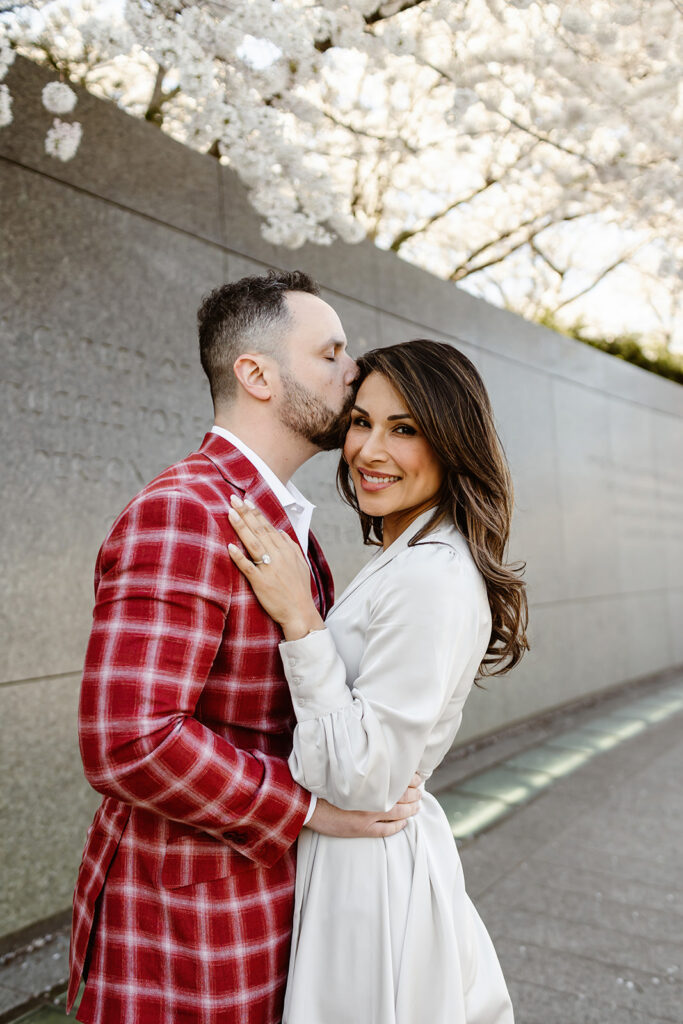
(529, 149)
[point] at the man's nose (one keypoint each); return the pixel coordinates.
(351, 371)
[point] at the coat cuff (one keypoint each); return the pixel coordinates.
(274, 819)
(311, 808)
(316, 675)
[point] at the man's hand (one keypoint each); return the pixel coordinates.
(331, 821)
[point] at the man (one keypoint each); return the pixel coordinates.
(184, 899)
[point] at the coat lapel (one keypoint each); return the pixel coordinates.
(442, 535)
(239, 472)
(323, 575)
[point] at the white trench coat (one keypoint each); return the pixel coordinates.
(384, 932)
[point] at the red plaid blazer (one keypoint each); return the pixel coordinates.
(184, 899)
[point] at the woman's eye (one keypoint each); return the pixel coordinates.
(404, 429)
(359, 422)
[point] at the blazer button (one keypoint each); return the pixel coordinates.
(302, 702)
(235, 837)
(297, 680)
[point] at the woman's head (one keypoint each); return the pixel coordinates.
(396, 473)
(422, 436)
(445, 432)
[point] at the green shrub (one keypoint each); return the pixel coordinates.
(628, 347)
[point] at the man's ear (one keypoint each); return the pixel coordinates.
(254, 373)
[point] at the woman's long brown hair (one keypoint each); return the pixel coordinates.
(447, 398)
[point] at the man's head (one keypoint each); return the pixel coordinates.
(271, 345)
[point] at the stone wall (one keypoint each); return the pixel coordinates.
(104, 262)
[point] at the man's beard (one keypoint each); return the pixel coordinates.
(307, 416)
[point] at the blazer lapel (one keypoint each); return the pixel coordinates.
(322, 573)
(239, 472)
(383, 557)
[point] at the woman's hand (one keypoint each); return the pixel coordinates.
(282, 583)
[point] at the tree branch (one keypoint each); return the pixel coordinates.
(465, 269)
(403, 236)
(601, 276)
(368, 134)
(154, 112)
(382, 13)
(526, 129)
(489, 180)
(391, 8)
(546, 259)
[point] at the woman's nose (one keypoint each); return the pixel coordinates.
(373, 449)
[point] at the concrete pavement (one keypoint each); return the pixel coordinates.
(582, 889)
(578, 878)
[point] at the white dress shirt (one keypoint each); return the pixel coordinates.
(298, 508)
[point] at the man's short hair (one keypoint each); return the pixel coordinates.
(249, 315)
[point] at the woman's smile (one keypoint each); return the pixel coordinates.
(370, 480)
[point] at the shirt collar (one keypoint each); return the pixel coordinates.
(287, 494)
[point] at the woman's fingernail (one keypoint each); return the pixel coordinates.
(249, 504)
(233, 516)
(235, 501)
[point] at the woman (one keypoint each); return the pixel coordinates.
(384, 932)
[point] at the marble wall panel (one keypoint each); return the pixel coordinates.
(577, 649)
(237, 266)
(598, 656)
(101, 389)
(360, 322)
(646, 633)
(668, 525)
(395, 329)
(46, 804)
(588, 507)
(523, 407)
(633, 478)
(674, 611)
(547, 676)
(348, 270)
(121, 159)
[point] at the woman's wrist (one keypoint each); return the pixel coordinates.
(299, 626)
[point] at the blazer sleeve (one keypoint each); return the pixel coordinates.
(164, 589)
(359, 747)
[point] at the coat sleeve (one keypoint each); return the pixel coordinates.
(164, 589)
(359, 747)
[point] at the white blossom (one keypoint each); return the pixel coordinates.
(605, 34)
(58, 98)
(576, 20)
(463, 99)
(626, 14)
(475, 125)
(347, 227)
(63, 139)
(5, 106)
(7, 55)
